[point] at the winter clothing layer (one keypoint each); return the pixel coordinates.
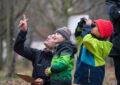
(62, 63)
(117, 68)
(65, 32)
(90, 65)
(41, 59)
(113, 9)
(105, 27)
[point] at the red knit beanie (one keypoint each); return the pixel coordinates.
(105, 27)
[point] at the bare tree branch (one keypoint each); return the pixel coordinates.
(66, 5)
(46, 19)
(75, 1)
(37, 31)
(87, 9)
(22, 9)
(55, 7)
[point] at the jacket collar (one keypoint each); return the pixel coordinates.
(99, 38)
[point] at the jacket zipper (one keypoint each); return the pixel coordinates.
(89, 76)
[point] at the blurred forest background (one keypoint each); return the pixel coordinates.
(44, 16)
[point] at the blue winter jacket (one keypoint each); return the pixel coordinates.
(90, 63)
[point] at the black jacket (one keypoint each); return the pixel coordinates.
(41, 59)
(113, 8)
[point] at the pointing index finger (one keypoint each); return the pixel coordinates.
(24, 17)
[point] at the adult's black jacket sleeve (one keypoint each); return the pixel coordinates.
(21, 49)
(113, 9)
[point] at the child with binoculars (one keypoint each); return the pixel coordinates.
(93, 47)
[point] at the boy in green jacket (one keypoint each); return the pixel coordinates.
(63, 59)
(93, 47)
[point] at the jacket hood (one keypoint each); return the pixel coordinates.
(67, 44)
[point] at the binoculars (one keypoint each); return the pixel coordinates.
(83, 22)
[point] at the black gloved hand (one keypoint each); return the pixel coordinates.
(82, 22)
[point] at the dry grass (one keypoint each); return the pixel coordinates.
(109, 77)
(15, 80)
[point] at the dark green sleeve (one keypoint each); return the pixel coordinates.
(64, 61)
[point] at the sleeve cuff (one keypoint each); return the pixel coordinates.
(78, 31)
(86, 30)
(49, 71)
(22, 33)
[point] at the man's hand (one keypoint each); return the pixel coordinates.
(23, 24)
(88, 22)
(38, 81)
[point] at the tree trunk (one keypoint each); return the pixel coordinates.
(1, 54)
(10, 55)
(10, 29)
(11, 17)
(1, 33)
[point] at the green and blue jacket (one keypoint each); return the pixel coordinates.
(91, 53)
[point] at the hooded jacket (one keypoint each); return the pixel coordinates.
(113, 8)
(90, 62)
(63, 62)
